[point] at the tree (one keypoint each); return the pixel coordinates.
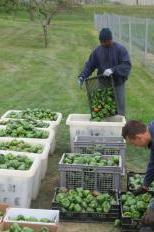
(31, 8)
(47, 9)
(10, 6)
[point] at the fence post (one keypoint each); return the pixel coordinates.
(146, 40)
(130, 36)
(119, 20)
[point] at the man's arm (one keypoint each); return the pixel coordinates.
(124, 66)
(149, 177)
(90, 66)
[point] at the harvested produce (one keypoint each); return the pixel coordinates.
(136, 181)
(102, 104)
(27, 122)
(84, 201)
(20, 129)
(31, 219)
(95, 159)
(13, 162)
(37, 114)
(1, 214)
(21, 146)
(135, 206)
(16, 228)
(117, 223)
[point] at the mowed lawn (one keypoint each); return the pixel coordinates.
(32, 76)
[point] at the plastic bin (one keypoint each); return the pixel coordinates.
(90, 177)
(52, 215)
(80, 124)
(104, 145)
(131, 225)
(43, 156)
(113, 214)
(37, 177)
(53, 124)
(18, 187)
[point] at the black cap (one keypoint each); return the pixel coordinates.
(105, 34)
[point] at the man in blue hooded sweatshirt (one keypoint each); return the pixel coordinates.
(138, 134)
(110, 59)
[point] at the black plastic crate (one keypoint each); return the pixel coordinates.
(111, 216)
(131, 225)
(96, 83)
(132, 174)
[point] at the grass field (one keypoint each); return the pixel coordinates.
(32, 76)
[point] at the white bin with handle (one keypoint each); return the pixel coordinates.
(80, 124)
(17, 187)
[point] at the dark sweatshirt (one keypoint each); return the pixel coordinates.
(115, 57)
(149, 177)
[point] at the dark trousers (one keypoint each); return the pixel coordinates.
(119, 92)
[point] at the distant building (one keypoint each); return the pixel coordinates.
(135, 2)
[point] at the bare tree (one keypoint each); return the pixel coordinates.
(47, 9)
(31, 8)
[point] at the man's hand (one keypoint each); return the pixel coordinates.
(80, 81)
(148, 218)
(108, 72)
(141, 190)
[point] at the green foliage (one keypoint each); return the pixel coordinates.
(34, 114)
(31, 219)
(16, 228)
(9, 5)
(22, 129)
(27, 122)
(1, 214)
(135, 206)
(82, 201)
(94, 160)
(136, 181)
(102, 104)
(20, 146)
(13, 162)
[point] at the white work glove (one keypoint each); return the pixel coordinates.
(108, 72)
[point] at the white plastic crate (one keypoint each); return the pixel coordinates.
(52, 215)
(49, 142)
(80, 124)
(53, 124)
(18, 187)
(43, 156)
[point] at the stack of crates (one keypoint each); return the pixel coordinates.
(12, 181)
(104, 145)
(91, 177)
(88, 177)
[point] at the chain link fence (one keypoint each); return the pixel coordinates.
(137, 34)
